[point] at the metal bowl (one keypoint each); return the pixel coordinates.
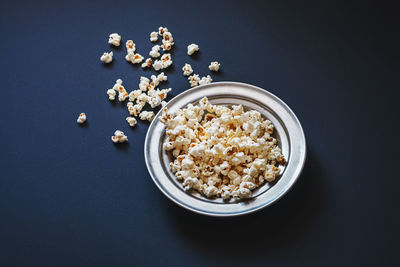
(288, 132)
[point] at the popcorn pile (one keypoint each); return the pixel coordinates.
(154, 97)
(221, 151)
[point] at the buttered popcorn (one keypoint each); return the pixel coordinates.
(221, 151)
(114, 39)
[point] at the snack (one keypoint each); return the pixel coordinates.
(221, 151)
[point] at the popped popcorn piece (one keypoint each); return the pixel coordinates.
(134, 58)
(163, 103)
(119, 136)
(167, 36)
(131, 121)
(157, 65)
(166, 45)
(134, 95)
(162, 30)
(214, 66)
(111, 94)
(187, 69)
(122, 96)
(107, 57)
(221, 151)
(192, 48)
(153, 36)
(144, 82)
(147, 63)
(155, 51)
(166, 60)
(130, 46)
(194, 80)
(146, 115)
(114, 39)
(82, 118)
(205, 80)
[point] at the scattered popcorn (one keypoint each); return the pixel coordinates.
(82, 118)
(147, 63)
(107, 57)
(114, 39)
(187, 69)
(192, 48)
(214, 66)
(146, 115)
(155, 51)
(205, 80)
(119, 136)
(154, 36)
(131, 121)
(221, 151)
(111, 94)
(162, 30)
(130, 46)
(194, 80)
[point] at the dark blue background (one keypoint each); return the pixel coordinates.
(68, 196)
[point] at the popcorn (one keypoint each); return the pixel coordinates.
(122, 96)
(162, 30)
(214, 66)
(111, 94)
(134, 58)
(136, 109)
(114, 39)
(192, 48)
(131, 121)
(147, 63)
(146, 115)
(134, 95)
(153, 36)
(168, 41)
(187, 69)
(166, 60)
(194, 80)
(157, 65)
(130, 46)
(82, 118)
(205, 80)
(225, 153)
(119, 136)
(144, 82)
(107, 57)
(155, 51)
(167, 36)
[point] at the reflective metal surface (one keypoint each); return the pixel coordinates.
(288, 131)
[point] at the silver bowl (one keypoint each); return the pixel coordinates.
(288, 132)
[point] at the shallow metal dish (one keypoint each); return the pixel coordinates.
(288, 131)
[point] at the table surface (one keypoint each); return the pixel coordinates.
(69, 196)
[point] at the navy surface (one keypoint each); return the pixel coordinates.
(69, 196)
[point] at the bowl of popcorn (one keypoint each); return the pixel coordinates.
(225, 149)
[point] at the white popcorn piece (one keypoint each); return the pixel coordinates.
(82, 118)
(119, 136)
(153, 36)
(229, 151)
(157, 65)
(192, 48)
(167, 36)
(114, 39)
(163, 103)
(187, 69)
(111, 94)
(166, 60)
(107, 57)
(194, 80)
(134, 58)
(136, 109)
(214, 66)
(130, 46)
(134, 95)
(205, 80)
(122, 96)
(131, 121)
(162, 30)
(147, 63)
(146, 115)
(155, 51)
